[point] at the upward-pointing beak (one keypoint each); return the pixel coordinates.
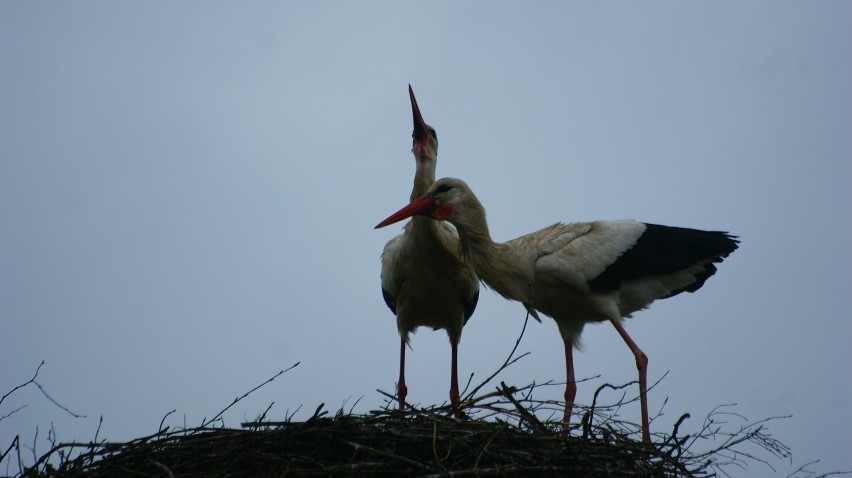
(420, 130)
(424, 206)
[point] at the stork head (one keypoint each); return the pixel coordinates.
(424, 139)
(448, 199)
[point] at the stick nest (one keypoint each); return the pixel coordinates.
(497, 433)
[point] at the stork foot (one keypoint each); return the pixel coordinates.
(401, 393)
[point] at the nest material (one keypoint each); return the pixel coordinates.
(505, 432)
(358, 446)
(498, 433)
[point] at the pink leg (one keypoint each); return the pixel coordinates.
(401, 389)
(570, 384)
(642, 366)
(454, 377)
(454, 381)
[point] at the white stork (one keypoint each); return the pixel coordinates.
(424, 282)
(579, 272)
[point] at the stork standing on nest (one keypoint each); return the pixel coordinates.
(579, 272)
(424, 282)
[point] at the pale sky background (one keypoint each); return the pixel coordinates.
(188, 192)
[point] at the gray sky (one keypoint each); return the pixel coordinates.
(188, 193)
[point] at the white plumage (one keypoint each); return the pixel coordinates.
(424, 282)
(578, 272)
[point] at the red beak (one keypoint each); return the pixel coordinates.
(420, 129)
(424, 206)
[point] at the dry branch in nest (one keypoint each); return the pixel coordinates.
(506, 431)
(501, 434)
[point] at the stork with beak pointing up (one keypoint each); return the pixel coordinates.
(424, 282)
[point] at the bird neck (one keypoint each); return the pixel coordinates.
(496, 264)
(424, 175)
(475, 244)
(423, 228)
(426, 234)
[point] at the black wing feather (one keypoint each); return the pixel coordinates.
(389, 300)
(470, 306)
(664, 250)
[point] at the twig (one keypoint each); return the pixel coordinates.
(802, 469)
(352, 408)
(485, 447)
(524, 413)
(220, 414)
(23, 384)
(8, 450)
(7, 415)
(44, 392)
(506, 363)
(438, 460)
(263, 415)
(676, 444)
(386, 454)
(160, 428)
(97, 432)
(35, 440)
(599, 390)
(163, 467)
(316, 415)
(20, 461)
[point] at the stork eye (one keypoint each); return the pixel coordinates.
(432, 130)
(443, 188)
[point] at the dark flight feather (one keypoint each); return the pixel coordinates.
(665, 250)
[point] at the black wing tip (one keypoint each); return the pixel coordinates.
(713, 243)
(700, 279)
(470, 306)
(389, 301)
(668, 249)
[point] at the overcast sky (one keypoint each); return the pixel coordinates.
(188, 192)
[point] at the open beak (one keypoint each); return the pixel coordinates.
(424, 206)
(420, 130)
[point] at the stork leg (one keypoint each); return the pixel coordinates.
(570, 384)
(454, 377)
(642, 366)
(401, 389)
